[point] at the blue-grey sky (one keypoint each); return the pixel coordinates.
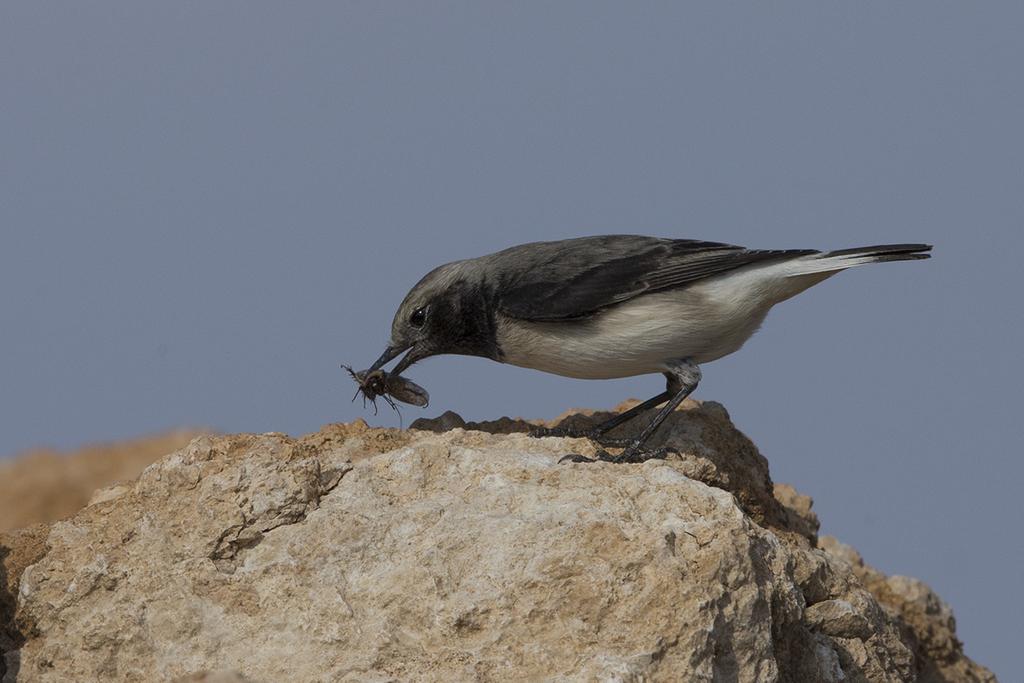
(206, 207)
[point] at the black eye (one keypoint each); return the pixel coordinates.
(418, 317)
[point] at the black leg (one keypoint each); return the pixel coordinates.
(621, 418)
(597, 433)
(686, 376)
(683, 377)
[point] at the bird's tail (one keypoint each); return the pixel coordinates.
(832, 261)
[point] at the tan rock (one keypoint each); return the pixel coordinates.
(213, 677)
(45, 485)
(838, 618)
(926, 623)
(356, 554)
(708, 448)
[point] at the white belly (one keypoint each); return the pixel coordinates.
(702, 323)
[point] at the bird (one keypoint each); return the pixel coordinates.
(612, 306)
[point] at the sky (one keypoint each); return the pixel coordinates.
(205, 208)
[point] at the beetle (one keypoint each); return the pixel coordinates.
(390, 387)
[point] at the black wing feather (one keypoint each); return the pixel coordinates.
(547, 281)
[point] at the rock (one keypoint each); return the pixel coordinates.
(838, 618)
(213, 677)
(448, 421)
(358, 554)
(709, 449)
(18, 549)
(926, 623)
(797, 511)
(44, 486)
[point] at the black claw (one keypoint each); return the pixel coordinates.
(600, 456)
(574, 457)
(637, 456)
(628, 456)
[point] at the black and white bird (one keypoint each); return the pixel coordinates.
(612, 306)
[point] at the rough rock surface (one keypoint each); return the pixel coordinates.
(358, 554)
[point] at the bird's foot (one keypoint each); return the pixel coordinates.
(575, 457)
(629, 455)
(564, 432)
(574, 433)
(636, 455)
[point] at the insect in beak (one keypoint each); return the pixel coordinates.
(389, 386)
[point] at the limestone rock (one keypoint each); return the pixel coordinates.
(926, 622)
(838, 618)
(358, 554)
(708, 448)
(18, 549)
(214, 677)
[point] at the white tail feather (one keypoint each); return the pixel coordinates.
(825, 263)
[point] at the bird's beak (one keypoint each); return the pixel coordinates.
(415, 353)
(389, 354)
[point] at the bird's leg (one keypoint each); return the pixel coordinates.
(597, 433)
(683, 377)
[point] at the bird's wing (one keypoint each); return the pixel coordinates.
(546, 281)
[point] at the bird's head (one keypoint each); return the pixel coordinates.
(444, 313)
